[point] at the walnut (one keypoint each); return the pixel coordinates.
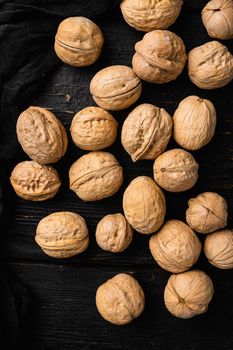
(217, 17)
(160, 57)
(78, 41)
(147, 15)
(144, 205)
(207, 212)
(35, 182)
(62, 234)
(210, 66)
(120, 299)
(95, 176)
(41, 135)
(146, 132)
(176, 170)
(219, 249)
(188, 294)
(175, 247)
(93, 129)
(113, 233)
(115, 87)
(194, 122)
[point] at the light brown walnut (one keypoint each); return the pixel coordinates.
(95, 176)
(144, 205)
(78, 41)
(41, 135)
(115, 87)
(188, 294)
(120, 299)
(146, 132)
(35, 182)
(62, 234)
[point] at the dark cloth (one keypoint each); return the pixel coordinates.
(27, 30)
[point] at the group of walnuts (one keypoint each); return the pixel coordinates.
(160, 57)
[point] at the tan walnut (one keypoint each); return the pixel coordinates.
(95, 176)
(144, 205)
(210, 66)
(93, 129)
(147, 15)
(176, 170)
(120, 299)
(188, 294)
(146, 132)
(217, 17)
(41, 135)
(194, 122)
(35, 182)
(115, 87)
(207, 212)
(175, 247)
(218, 249)
(114, 233)
(62, 234)
(160, 57)
(78, 41)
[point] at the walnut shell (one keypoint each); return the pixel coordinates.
(95, 176)
(146, 132)
(62, 234)
(147, 15)
(210, 66)
(93, 129)
(41, 135)
(115, 87)
(207, 212)
(188, 294)
(114, 233)
(217, 17)
(78, 41)
(176, 170)
(35, 182)
(194, 122)
(175, 247)
(160, 57)
(120, 299)
(144, 205)
(218, 249)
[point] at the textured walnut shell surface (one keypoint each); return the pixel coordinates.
(115, 87)
(175, 247)
(120, 299)
(93, 129)
(210, 66)
(95, 176)
(41, 135)
(144, 205)
(176, 170)
(218, 249)
(62, 234)
(146, 132)
(194, 122)
(160, 57)
(188, 294)
(207, 212)
(147, 15)
(35, 182)
(78, 41)
(217, 17)
(113, 233)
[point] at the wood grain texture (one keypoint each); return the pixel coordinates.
(64, 313)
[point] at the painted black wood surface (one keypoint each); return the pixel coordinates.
(64, 314)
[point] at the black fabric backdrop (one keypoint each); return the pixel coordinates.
(27, 30)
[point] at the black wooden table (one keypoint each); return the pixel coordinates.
(64, 314)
